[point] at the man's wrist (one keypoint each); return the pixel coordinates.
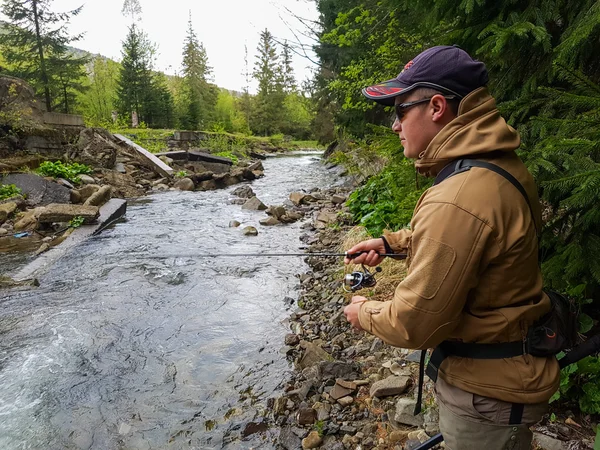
(386, 245)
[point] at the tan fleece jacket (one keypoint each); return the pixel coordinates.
(473, 271)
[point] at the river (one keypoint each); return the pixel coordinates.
(122, 348)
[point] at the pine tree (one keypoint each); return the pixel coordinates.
(564, 154)
(37, 35)
(70, 76)
(287, 71)
(270, 97)
(245, 101)
(196, 71)
(135, 78)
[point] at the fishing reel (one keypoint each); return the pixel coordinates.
(358, 280)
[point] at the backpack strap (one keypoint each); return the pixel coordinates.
(463, 165)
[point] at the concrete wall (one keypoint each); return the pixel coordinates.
(52, 118)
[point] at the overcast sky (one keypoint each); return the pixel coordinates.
(224, 26)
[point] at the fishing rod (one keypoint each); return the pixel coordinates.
(270, 255)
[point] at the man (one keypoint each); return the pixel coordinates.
(473, 273)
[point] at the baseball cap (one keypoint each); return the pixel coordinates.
(447, 68)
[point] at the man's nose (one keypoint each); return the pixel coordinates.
(397, 126)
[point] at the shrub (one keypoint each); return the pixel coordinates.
(8, 191)
(387, 200)
(58, 169)
(76, 222)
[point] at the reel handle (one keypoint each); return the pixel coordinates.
(391, 255)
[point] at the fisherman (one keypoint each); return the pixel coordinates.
(473, 273)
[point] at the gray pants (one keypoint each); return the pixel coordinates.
(472, 422)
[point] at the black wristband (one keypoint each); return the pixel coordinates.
(386, 244)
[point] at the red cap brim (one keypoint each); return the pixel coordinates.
(385, 93)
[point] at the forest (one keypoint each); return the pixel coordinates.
(35, 45)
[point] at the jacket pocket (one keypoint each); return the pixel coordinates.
(430, 268)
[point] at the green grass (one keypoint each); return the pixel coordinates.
(155, 140)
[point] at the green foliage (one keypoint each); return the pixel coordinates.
(319, 427)
(276, 139)
(140, 91)
(544, 71)
(35, 48)
(8, 191)
(76, 222)
(68, 172)
(226, 145)
(181, 174)
(229, 155)
(387, 200)
(98, 100)
(581, 381)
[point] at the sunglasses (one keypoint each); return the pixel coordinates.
(402, 107)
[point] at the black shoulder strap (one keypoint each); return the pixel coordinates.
(462, 165)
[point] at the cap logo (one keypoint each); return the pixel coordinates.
(407, 66)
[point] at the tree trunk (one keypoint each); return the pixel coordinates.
(41, 54)
(66, 99)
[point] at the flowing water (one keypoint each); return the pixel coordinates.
(120, 348)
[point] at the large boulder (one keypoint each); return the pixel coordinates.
(64, 213)
(244, 192)
(86, 191)
(254, 204)
(20, 109)
(185, 184)
(299, 198)
(38, 190)
(29, 220)
(96, 147)
(100, 197)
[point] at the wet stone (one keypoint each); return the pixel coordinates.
(289, 440)
(404, 413)
(313, 440)
(346, 384)
(336, 369)
(254, 427)
(346, 401)
(322, 410)
(393, 385)
(347, 429)
(339, 391)
(291, 339)
(250, 231)
(306, 416)
(411, 444)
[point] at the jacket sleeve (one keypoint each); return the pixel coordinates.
(447, 247)
(398, 240)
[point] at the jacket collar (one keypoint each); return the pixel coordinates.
(478, 129)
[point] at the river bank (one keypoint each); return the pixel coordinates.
(350, 390)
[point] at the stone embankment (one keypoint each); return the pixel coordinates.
(349, 389)
(43, 212)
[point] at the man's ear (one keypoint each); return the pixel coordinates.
(440, 108)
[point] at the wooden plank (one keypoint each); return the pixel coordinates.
(159, 166)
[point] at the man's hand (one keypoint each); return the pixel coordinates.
(372, 248)
(351, 311)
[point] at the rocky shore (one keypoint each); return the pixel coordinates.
(349, 390)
